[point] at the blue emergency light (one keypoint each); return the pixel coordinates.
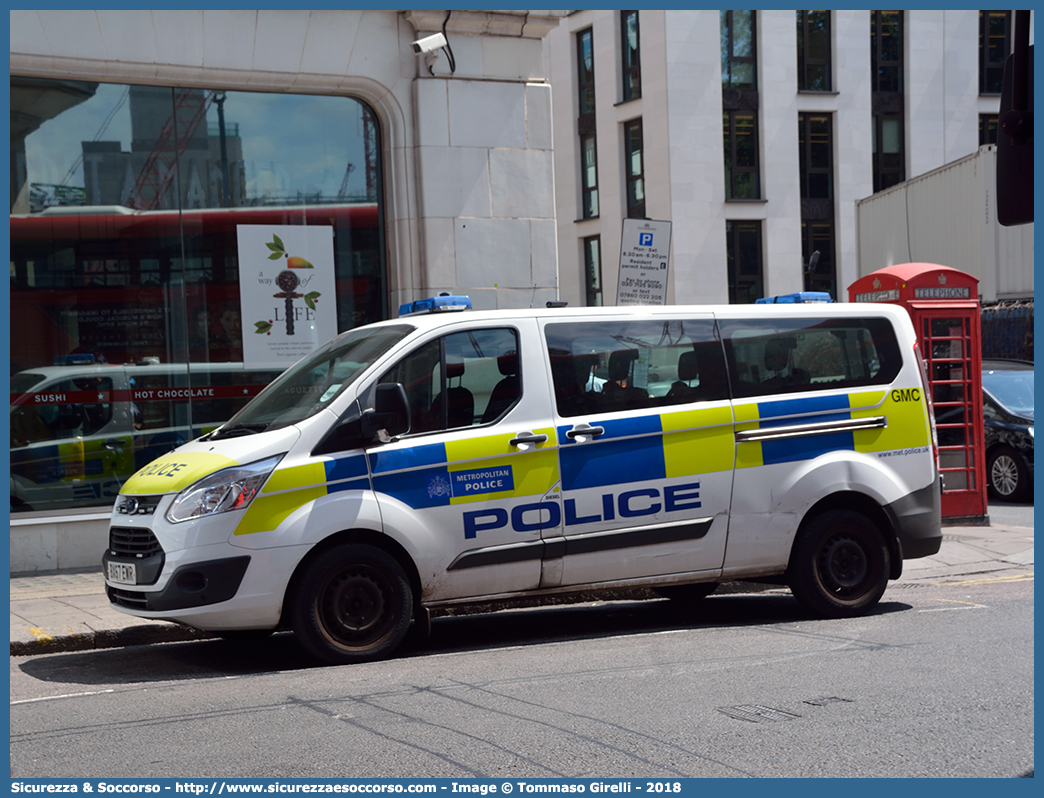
(79, 359)
(436, 304)
(802, 297)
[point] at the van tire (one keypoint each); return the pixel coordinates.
(353, 604)
(840, 565)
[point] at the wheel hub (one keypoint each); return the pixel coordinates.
(356, 604)
(843, 564)
(1004, 474)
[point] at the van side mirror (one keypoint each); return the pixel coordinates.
(390, 414)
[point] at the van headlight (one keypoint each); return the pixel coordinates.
(223, 491)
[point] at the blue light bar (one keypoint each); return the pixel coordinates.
(799, 298)
(79, 359)
(436, 304)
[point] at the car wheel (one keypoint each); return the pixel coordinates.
(1007, 474)
(839, 566)
(353, 604)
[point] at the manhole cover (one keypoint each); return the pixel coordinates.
(757, 713)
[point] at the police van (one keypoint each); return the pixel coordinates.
(80, 428)
(452, 456)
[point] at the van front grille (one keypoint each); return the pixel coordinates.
(127, 598)
(131, 542)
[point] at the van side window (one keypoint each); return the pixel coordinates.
(460, 380)
(610, 366)
(773, 356)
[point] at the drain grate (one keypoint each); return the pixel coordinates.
(822, 702)
(756, 713)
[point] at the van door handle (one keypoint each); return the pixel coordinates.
(584, 431)
(524, 438)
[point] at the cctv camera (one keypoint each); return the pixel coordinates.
(429, 44)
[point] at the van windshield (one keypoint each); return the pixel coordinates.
(312, 384)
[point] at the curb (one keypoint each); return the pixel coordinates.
(108, 638)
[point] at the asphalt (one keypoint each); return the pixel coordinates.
(68, 611)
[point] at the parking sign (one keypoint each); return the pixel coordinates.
(645, 248)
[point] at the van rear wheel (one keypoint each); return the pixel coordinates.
(353, 604)
(840, 565)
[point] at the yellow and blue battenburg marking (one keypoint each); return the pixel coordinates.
(653, 447)
(292, 487)
(905, 425)
(458, 472)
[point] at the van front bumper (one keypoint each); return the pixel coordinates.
(190, 585)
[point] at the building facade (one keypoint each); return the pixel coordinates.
(755, 133)
(164, 164)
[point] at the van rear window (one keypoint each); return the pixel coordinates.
(771, 356)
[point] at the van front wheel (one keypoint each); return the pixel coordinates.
(353, 604)
(840, 565)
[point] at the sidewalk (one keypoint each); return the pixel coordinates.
(68, 610)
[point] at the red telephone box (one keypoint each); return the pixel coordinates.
(944, 306)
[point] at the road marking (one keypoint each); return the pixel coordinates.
(56, 697)
(971, 605)
(41, 636)
(1015, 578)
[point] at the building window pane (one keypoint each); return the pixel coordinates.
(589, 175)
(743, 245)
(988, 124)
(813, 50)
(815, 159)
(741, 155)
(125, 205)
(994, 47)
(593, 270)
(585, 71)
(630, 54)
(886, 51)
(819, 271)
(634, 169)
(738, 50)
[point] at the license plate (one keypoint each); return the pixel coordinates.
(124, 573)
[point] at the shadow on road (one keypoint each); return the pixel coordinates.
(458, 634)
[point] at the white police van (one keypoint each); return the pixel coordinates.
(445, 458)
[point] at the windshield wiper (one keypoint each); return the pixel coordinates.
(238, 430)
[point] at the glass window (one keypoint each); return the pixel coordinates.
(886, 51)
(994, 48)
(743, 243)
(634, 169)
(815, 162)
(888, 161)
(585, 71)
(988, 126)
(813, 50)
(817, 255)
(630, 55)
(125, 206)
(816, 156)
(738, 50)
(593, 270)
(609, 366)
(589, 175)
(742, 178)
(460, 380)
(793, 355)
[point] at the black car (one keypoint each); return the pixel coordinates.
(1008, 414)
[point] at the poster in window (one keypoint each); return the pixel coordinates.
(287, 292)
